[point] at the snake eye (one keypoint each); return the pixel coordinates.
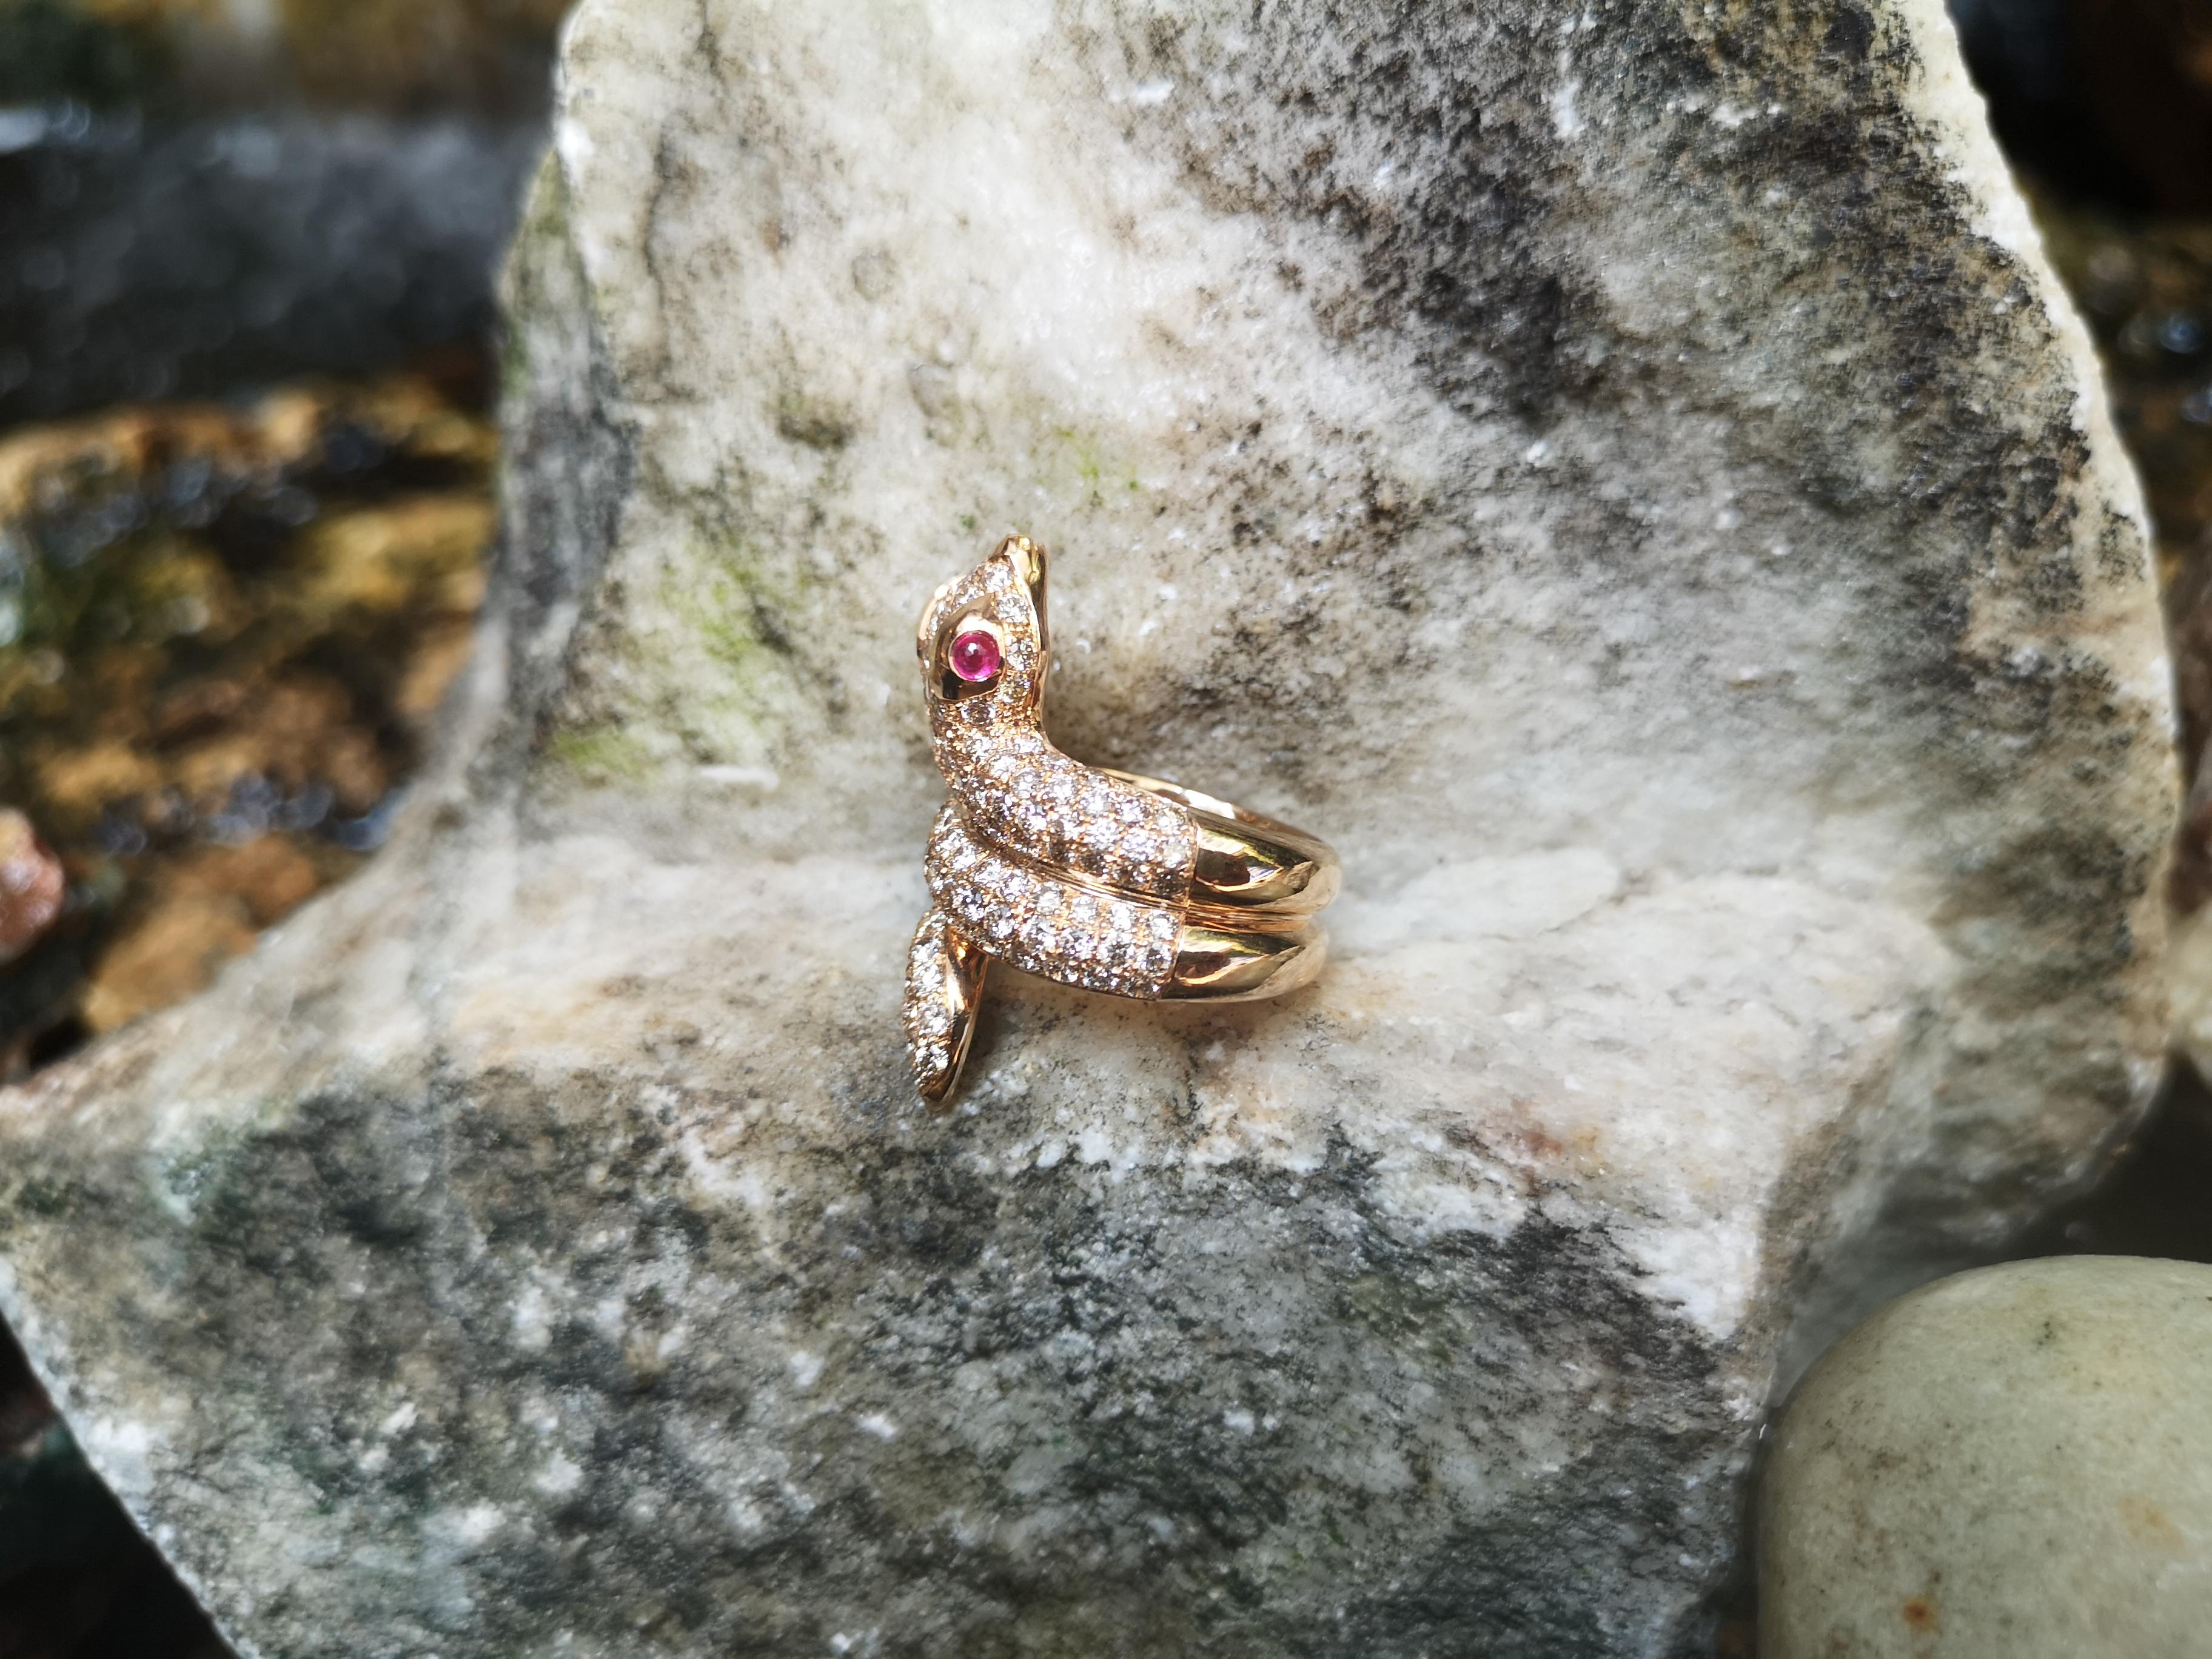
(971, 657)
(975, 655)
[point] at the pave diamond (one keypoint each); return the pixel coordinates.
(936, 998)
(1046, 924)
(1027, 827)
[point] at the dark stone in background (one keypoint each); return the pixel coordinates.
(2105, 106)
(52, 1511)
(187, 210)
(2104, 101)
(51, 51)
(138, 262)
(76, 1580)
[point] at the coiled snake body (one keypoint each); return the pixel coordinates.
(1094, 878)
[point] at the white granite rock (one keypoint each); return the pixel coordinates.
(2011, 1464)
(1623, 474)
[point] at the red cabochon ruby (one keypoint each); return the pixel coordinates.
(975, 655)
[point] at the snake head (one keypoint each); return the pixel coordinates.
(982, 636)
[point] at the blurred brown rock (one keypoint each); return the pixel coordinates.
(398, 55)
(172, 951)
(223, 634)
(293, 731)
(208, 908)
(2109, 101)
(32, 885)
(410, 52)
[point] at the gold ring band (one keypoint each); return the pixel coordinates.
(1105, 879)
(1246, 863)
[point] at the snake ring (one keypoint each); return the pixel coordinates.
(1091, 877)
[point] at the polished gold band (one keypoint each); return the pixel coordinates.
(1246, 863)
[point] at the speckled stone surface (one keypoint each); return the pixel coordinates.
(1623, 474)
(2014, 1463)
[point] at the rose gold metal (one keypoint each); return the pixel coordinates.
(1108, 880)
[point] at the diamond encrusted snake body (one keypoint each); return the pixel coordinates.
(1091, 877)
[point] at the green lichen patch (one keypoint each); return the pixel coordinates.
(602, 754)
